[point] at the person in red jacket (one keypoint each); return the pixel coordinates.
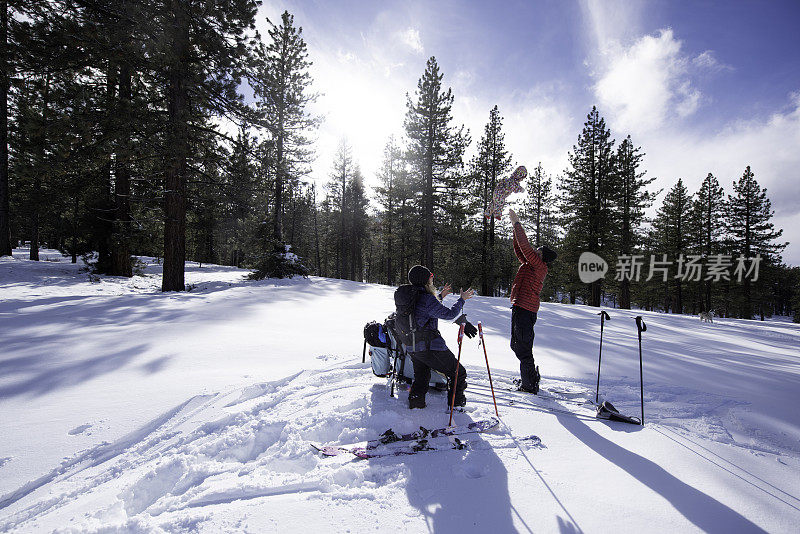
(525, 302)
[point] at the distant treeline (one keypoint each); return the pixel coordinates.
(116, 119)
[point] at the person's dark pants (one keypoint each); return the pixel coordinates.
(443, 361)
(522, 335)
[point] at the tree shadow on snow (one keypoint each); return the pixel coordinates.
(455, 491)
(702, 510)
(39, 375)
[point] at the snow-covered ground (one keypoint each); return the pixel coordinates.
(123, 409)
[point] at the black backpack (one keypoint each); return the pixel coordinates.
(375, 335)
(405, 325)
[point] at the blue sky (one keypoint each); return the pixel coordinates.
(701, 86)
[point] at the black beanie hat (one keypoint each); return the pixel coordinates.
(419, 275)
(548, 255)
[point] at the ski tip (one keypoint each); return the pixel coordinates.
(326, 450)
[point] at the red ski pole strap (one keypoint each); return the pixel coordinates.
(460, 333)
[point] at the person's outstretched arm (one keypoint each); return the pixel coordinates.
(436, 309)
(521, 241)
(517, 250)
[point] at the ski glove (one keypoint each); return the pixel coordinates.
(469, 329)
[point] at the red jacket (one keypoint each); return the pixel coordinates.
(530, 276)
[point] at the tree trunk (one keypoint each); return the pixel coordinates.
(277, 220)
(316, 231)
(595, 295)
(708, 249)
(403, 260)
(491, 239)
(75, 230)
(120, 242)
(5, 211)
(36, 197)
(107, 211)
(292, 204)
(484, 255)
(625, 294)
(389, 216)
(666, 298)
(178, 145)
(492, 278)
(343, 228)
(211, 256)
(428, 216)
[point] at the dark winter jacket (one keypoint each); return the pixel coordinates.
(427, 314)
(530, 276)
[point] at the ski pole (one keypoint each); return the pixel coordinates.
(364, 354)
(603, 318)
(488, 371)
(641, 327)
(455, 375)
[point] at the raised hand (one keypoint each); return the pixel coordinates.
(513, 216)
(466, 295)
(446, 290)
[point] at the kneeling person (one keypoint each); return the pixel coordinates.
(430, 350)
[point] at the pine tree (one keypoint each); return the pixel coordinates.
(317, 252)
(203, 56)
(343, 169)
(434, 146)
(751, 230)
(709, 212)
(5, 213)
(125, 111)
(539, 208)
(242, 198)
(282, 86)
(357, 225)
(633, 200)
(589, 193)
(489, 165)
(672, 228)
(389, 196)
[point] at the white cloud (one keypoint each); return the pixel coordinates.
(411, 39)
(646, 84)
(688, 101)
(707, 61)
(612, 21)
(767, 144)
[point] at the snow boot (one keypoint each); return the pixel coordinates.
(530, 377)
(460, 400)
(416, 402)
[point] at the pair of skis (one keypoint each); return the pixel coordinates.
(391, 444)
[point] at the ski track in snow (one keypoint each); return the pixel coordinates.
(253, 443)
(220, 450)
(240, 445)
